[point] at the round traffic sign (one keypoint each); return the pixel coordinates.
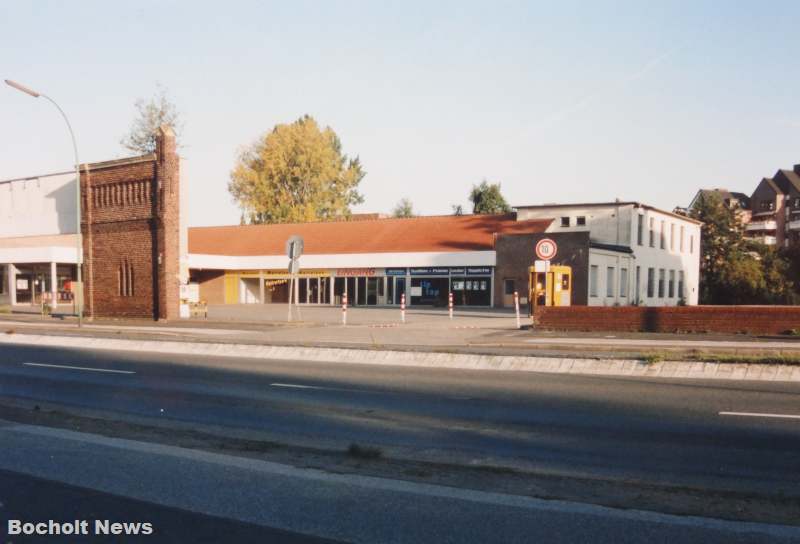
(546, 249)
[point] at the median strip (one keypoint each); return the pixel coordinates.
(652, 368)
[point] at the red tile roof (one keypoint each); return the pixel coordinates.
(418, 234)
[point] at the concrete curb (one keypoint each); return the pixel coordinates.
(550, 365)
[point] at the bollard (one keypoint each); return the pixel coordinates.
(344, 309)
(516, 306)
(450, 304)
(403, 307)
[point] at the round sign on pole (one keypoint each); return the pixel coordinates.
(294, 246)
(546, 249)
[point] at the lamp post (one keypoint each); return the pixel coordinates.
(79, 243)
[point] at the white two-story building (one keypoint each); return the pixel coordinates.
(637, 254)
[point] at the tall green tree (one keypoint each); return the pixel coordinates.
(721, 247)
(733, 269)
(296, 172)
(404, 208)
(151, 114)
(486, 198)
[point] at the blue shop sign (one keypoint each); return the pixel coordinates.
(430, 271)
(457, 271)
(396, 271)
(480, 271)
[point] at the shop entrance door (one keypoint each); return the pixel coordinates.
(399, 290)
(372, 291)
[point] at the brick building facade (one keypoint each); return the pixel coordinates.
(131, 234)
(516, 254)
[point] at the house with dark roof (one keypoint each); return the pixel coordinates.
(771, 214)
(775, 206)
(731, 199)
(766, 217)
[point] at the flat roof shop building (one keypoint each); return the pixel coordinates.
(373, 261)
(620, 253)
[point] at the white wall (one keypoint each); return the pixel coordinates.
(352, 260)
(39, 206)
(672, 257)
(618, 225)
(606, 224)
(619, 294)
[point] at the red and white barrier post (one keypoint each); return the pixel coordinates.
(450, 304)
(344, 309)
(403, 307)
(516, 307)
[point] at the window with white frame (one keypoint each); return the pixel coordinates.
(623, 282)
(652, 225)
(680, 244)
(680, 284)
(639, 229)
(671, 289)
(610, 281)
(661, 277)
(672, 236)
(651, 280)
(593, 272)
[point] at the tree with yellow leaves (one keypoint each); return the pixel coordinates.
(296, 173)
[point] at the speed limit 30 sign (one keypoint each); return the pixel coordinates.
(546, 249)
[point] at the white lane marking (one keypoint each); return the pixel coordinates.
(300, 386)
(68, 367)
(754, 414)
(294, 385)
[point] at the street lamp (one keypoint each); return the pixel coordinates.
(79, 243)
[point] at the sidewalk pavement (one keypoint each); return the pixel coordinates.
(470, 331)
(478, 341)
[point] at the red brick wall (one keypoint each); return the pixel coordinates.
(130, 226)
(725, 319)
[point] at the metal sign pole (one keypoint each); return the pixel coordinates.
(516, 306)
(297, 295)
(289, 318)
(450, 304)
(294, 248)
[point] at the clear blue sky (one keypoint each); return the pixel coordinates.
(558, 101)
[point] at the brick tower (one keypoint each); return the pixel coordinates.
(131, 229)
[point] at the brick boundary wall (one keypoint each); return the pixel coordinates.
(697, 319)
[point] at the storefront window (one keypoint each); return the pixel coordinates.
(472, 291)
(429, 291)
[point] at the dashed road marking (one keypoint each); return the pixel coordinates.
(755, 414)
(69, 367)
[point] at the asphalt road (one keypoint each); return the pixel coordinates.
(669, 431)
(343, 507)
(672, 431)
(34, 500)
